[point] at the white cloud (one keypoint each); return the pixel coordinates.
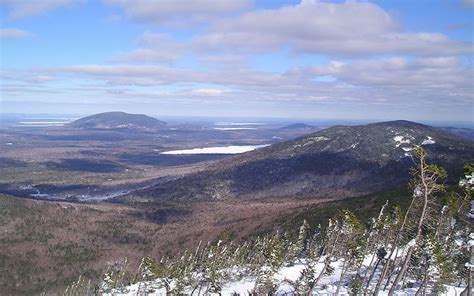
(350, 28)
(210, 92)
(12, 33)
(422, 73)
(153, 47)
(223, 60)
(431, 84)
(178, 12)
(25, 8)
(388, 81)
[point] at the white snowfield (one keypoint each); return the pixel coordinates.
(399, 140)
(216, 150)
(42, 122)
(428, 141)
(327, 286)
(317, 139)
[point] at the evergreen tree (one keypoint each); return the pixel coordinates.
(274, 252)
(265, 284)
(425, 184)
(352, 249)
(331, 240)
(429, 243)
(299, 248)
(305, 282)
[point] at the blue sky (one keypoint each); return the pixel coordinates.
(377, 60)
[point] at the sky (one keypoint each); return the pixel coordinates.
(375, 60)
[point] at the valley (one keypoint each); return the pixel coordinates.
(77, 199)
(80, 162)
(237, 147)
(65, 240)
(47, 245)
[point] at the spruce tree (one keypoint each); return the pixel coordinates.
(426, 183)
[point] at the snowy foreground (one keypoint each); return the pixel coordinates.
(426, 250)
(284, 277)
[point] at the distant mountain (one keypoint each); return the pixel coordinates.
(297, 126)
(467, 133)
(118, 120)
(337, 162)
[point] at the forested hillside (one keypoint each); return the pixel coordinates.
(424, 249)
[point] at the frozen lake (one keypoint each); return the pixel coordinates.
(217, 150)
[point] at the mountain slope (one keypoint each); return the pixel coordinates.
(118, 120)
(297, 126)
(338, 162)
(467, 133)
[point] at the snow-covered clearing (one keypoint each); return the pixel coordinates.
(428, 141)
(399, 140)
(284, 278)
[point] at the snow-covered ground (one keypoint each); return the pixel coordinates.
(283, 277)
(428, 141)
(399, 140)
(216, 150)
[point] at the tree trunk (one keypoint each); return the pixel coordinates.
(370, 265)
(313, 284)
(384, 273)
(371, 276)
(469, 280)
(343, 271)
(325, 264)
(388, 279)
(394, 247)
(403, 269)
(426, 193)
(422, 286)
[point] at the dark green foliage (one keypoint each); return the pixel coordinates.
(364, 207)
(305, 282)
(356, 284)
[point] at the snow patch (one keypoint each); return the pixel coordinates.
(242, 287)
(312, 140)
(354, 145)
(399, 140)
(428, 141)
(125, 125)
(318, 139)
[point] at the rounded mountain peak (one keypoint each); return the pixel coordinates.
(118, 120)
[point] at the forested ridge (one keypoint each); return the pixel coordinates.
(423, 249)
